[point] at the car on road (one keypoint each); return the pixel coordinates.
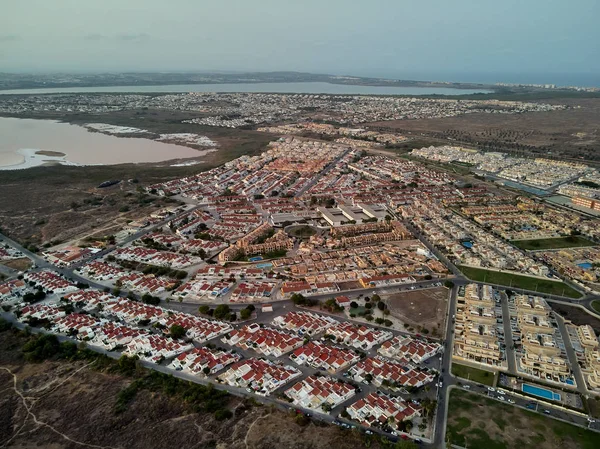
(530, 406)
(547, 412)
(492, 389)
(467, 387)
(510, 401)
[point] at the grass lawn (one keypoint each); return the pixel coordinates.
(596, 306)
(480, 422)
(516, 281)
(474, 374)
(556, 243)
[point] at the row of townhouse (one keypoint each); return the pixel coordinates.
(155, 257)
(133, 312)
(201, 289)
(304, 323)
(49, 281)
(320, 393)
(40, 311)
(324, 357)
(204, 361)
(587, 348)
(155, 348)
(81, 325)
(210, 247)
(197, 328)
(476, 336)
(12, 290)
(111, 336)
(259, 375)
(377, 411)
(264, 340)
(147, 283)
(542, 352)
(102, 271)
(251, 291)
(388, 373)
(358, 336)
(90, 299)
(216, 271)
(414, 349)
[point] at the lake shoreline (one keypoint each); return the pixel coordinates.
(29, 142)
(307, 87)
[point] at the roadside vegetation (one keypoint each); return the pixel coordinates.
(516, 281)
(571, 241)
(474, 374)
(199, 398)
(479, 422)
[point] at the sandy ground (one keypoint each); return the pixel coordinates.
(420, 308)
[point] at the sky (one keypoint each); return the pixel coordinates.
(385, 38)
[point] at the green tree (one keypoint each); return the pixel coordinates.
(221, 311)
(245, 314)
(204, 309)
(177, 331)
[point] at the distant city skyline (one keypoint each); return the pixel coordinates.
(465, 40)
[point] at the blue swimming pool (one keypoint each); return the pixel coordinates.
(264, 265)
(467, 244)
(540, 392)
(585, 265)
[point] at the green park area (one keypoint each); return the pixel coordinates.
(474, 374)
(476, 421)
(596, 306)
(555, 243)
(517, 281)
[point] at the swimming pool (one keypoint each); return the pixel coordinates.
(585, 265)
(540, 392)
(264, 265)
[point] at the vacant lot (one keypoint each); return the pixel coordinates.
(557, 243)
(479, 422)
(423, 309)
(474, 374)
(576, 315)
(516, 281)
(17, 264)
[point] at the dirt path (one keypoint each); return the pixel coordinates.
(250, 428)
(35, 419)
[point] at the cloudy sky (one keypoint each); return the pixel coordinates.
(374, 37)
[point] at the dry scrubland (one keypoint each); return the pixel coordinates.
(572, 133)
(67, 404)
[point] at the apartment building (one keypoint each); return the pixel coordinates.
(476, 339)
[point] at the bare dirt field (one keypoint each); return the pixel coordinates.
(17, 264)
(576, 315)
(422, 309)
(572, 133)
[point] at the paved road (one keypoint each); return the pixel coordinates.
(446, 378)
(508, 341)
(581, 387)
